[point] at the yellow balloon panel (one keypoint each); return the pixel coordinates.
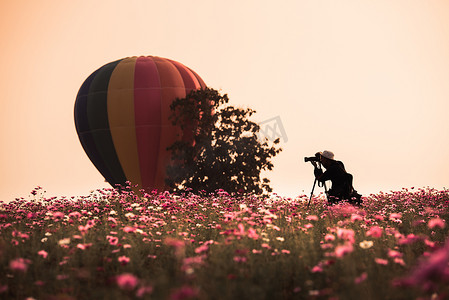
(122, 118)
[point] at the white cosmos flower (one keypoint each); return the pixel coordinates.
(64, 241)
(366, 244)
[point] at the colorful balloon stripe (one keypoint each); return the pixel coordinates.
(122, 120)
(122, 117)
(148, 117)
(97, 114)
(84, 132)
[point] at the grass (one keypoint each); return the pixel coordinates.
(162, 246)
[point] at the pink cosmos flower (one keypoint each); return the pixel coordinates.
(429, 243)
(343, 209)
(43, 253)
(356, 217)
(190, 262)
(317, 269)
(308, 226)
(123, 260)
(202, 248)
(342, 250)
(84, 246)
(361, 278)
(39, 283)
(379, 217)
(111, 219)
(326, 246)
(312, 218)
(265, 245)
(399, 261)
(375, 232)
(83, 229)
(19, 234)
(410, 238)
(436, 222)
(74, 215)
(285, 251)
(346, 234)
(433, 267)
(175, 243)
(240, 259)
(185, 292)
(62, 277)
(112, 240)
(58, 215)
(252, 234)
(418, 222)
(329, 237)
(127, 281)
(144, 290)
(19, 264)
(395, 216)
(241, 229)
(394, 254)
(129, 229)
(381, 261)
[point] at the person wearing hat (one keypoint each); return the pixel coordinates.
(336, 173)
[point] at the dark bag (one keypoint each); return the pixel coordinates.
(345, 191)
(351, 194)
(348, 192)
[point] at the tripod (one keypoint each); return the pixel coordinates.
(317, 166)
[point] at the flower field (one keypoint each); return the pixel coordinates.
(111, 245)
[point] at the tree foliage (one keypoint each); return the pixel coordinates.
(220, 148)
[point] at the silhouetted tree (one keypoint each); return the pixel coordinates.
(220, 148)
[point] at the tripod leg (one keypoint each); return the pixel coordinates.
(311, 194)
(326, 192)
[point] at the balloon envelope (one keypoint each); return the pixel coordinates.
(122, 117)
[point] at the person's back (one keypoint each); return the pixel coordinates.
(335, 172)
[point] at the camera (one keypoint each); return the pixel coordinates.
(313, 158)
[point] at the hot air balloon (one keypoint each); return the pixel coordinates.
(122, 117)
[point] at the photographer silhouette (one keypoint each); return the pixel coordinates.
(342, 188)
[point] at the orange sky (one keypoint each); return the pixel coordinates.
(367, 80)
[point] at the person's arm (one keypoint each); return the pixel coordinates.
(317, 171)
(323, 176)
(320, 176)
